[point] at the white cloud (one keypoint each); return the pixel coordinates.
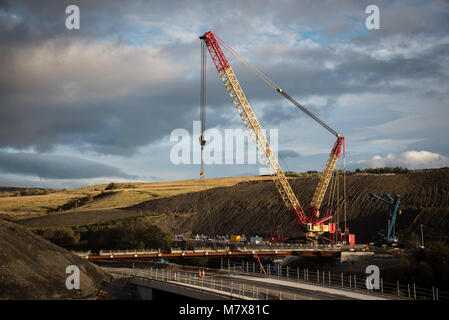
(308, 43)
(32, 181)
(411, 159)
(317, 101)
(397, 46)
(423, 158)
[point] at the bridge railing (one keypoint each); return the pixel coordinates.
(249, 246)
(238, 290)
(212, 284)
(227, 247)
(337, 280)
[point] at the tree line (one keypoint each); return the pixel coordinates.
(138, 234)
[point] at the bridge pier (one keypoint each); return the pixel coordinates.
(146, 288)
(146, 293)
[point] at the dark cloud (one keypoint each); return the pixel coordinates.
(56, 167)
(117, 111)
(423, 18)
(288, 153)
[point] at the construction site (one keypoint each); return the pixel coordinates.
(345, 231)
(261, 226)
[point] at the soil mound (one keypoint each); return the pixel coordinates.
(34, 268)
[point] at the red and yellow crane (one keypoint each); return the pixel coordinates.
(313, 223)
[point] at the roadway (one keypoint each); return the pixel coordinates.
(305, 291)
(242, 286)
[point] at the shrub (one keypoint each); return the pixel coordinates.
(425, 267)
(383, 170)
(61, 236)
(112, 186)
(127, 235)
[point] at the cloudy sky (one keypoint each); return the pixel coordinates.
(100, 104)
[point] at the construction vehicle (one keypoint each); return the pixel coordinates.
(235, 238)
(313, 222)
(389, 238)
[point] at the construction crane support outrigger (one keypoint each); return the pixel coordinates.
(311, 223)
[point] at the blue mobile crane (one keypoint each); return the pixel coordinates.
(389, 239)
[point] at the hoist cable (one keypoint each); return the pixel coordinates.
(272, 84)
(202, 137)
(249, 65)
(203, 103)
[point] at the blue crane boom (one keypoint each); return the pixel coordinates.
(393, 203)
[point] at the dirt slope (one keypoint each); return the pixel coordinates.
(34, 268)
(254, 207)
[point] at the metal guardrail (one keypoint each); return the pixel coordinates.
(247, 246)
(231, 288)
(339, 280)
(326, 278)
(212, 284)
(237, 290)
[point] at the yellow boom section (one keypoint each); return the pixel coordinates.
(323, 183)
(255, 131)
(320, 191)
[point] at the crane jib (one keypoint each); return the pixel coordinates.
(311, 222)
(254, 128)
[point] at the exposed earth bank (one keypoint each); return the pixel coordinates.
(34, 268)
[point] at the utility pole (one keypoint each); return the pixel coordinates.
(422, 237)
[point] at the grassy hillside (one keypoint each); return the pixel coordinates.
(97, 198)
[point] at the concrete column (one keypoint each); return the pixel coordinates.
(382, 286)
(145, 293)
